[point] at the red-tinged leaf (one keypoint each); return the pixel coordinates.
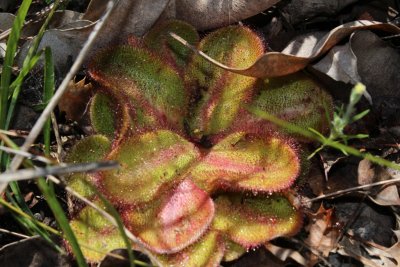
(218, 93)
(248, 162)
(294, 98)
(172, 223)
(92, 148)
(153, 87)
(159, 41)
(206, 252)
(253, 220)
(293, 59)
(95, 234)
(150, 164)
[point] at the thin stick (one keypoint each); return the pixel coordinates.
(340, 192)
(21, 134)
(194, 49)
(57, 134)
(14, 233)
(39, 15)
(37, 128)
(26, 174)
(26, 155)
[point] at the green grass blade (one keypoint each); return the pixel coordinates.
(33, 49)
(17, 89)
(30, 61)
(20, 213)
(324, 141)
(31, 225)
(9, 58)
(360, 115)
(25, 216)
(48, 92)
(62, 220)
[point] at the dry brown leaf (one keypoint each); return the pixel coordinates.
(389, 256)
(355, 249)
(367, 59)
(128, 17)
(62, 19)
(7, 20)
(65, 44)
(368, 173)
(299, 10)
(75, 100)
(274, 64)
(340, 64)
(204, 15)
(378, 64)
(388, 196)
(285, 253)
(136, 17)
(322, 237)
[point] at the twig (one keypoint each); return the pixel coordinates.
(26, 174)
(57, 135)
(14, 233)
(26, 155)
(195, 50)
(18, 133)
(37, 128)
(348, 190)
(39, 16)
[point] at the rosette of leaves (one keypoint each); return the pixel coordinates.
(200, 180)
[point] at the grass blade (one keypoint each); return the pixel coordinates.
(324, 141)
(30, 61)
(26, 174)
(62, 220)
(47, 95)
(9, 59)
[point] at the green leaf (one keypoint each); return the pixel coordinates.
(102, 116)
(92, 148)
(95, 234)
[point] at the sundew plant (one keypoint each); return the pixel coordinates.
(201, 179)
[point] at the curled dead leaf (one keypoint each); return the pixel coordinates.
(295, 58)
(74, 101)
(322, 236)
(129, 17)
